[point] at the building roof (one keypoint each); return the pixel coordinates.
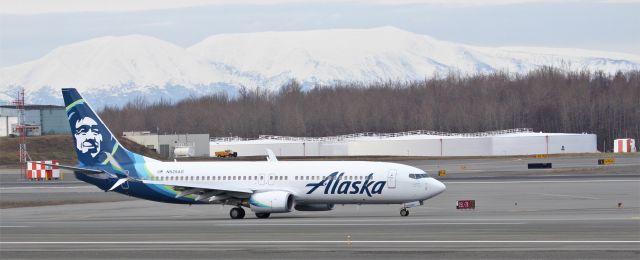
(410, 135)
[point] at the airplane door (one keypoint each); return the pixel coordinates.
(262, 179)
(391, 178)
(270, 178)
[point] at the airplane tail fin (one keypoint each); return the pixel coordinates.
(95, 144)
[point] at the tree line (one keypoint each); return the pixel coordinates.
(547, 99)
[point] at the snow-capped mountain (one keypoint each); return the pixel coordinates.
(113, 70)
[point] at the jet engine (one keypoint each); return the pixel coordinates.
(314, 207)
(270, 202)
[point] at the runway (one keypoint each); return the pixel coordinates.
(520, 214)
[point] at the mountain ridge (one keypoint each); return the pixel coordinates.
(115, 69)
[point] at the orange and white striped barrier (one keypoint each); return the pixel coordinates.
(625, 145)
(36, 170)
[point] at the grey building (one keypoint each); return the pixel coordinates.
(172, 146)
(49, 119)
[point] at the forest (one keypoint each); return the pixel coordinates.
(547, 99)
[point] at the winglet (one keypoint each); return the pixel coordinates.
(271, 157)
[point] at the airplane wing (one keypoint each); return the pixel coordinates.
(213, 192)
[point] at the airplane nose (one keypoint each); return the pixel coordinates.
(437, 187)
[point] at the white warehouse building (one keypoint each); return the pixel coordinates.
(414, 143)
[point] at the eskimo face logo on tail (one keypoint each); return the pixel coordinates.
(88, 136)
(333, 185)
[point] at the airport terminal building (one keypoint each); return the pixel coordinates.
(414, 143)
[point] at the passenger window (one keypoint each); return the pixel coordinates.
(286, 178)
(296, 178)
(270, 177)
(261, 177)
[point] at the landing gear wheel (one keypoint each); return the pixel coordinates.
(263, 215)
(404, 212)
(236, 213)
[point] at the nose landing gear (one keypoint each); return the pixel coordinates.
(236, 213)
(404, 212)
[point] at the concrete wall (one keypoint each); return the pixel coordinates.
(280, 149)
(446, 146)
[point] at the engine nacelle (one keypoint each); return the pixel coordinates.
(315, 207)
(271, 202)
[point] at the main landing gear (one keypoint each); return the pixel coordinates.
(236, 213)
(263, 215)
(404, 212)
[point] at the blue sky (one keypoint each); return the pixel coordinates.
(30, 28)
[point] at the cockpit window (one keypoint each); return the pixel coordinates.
(418, 176)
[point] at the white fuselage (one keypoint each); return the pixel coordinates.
(338, 182)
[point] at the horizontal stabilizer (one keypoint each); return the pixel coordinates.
(118, 183)
(74, 168)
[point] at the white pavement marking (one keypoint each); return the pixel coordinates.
(46, 182)
(15, 226)
(368, 224)
(31, 188)
(566, 195)
(499, 182)
(329, 242)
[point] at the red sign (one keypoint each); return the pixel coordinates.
(466, 204)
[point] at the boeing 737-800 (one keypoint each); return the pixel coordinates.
(265, 187)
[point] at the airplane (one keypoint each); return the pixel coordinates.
(264, 187)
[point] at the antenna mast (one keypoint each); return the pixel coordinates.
(22, 134)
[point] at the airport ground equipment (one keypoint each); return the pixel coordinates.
(607, 161)
(226, 154)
